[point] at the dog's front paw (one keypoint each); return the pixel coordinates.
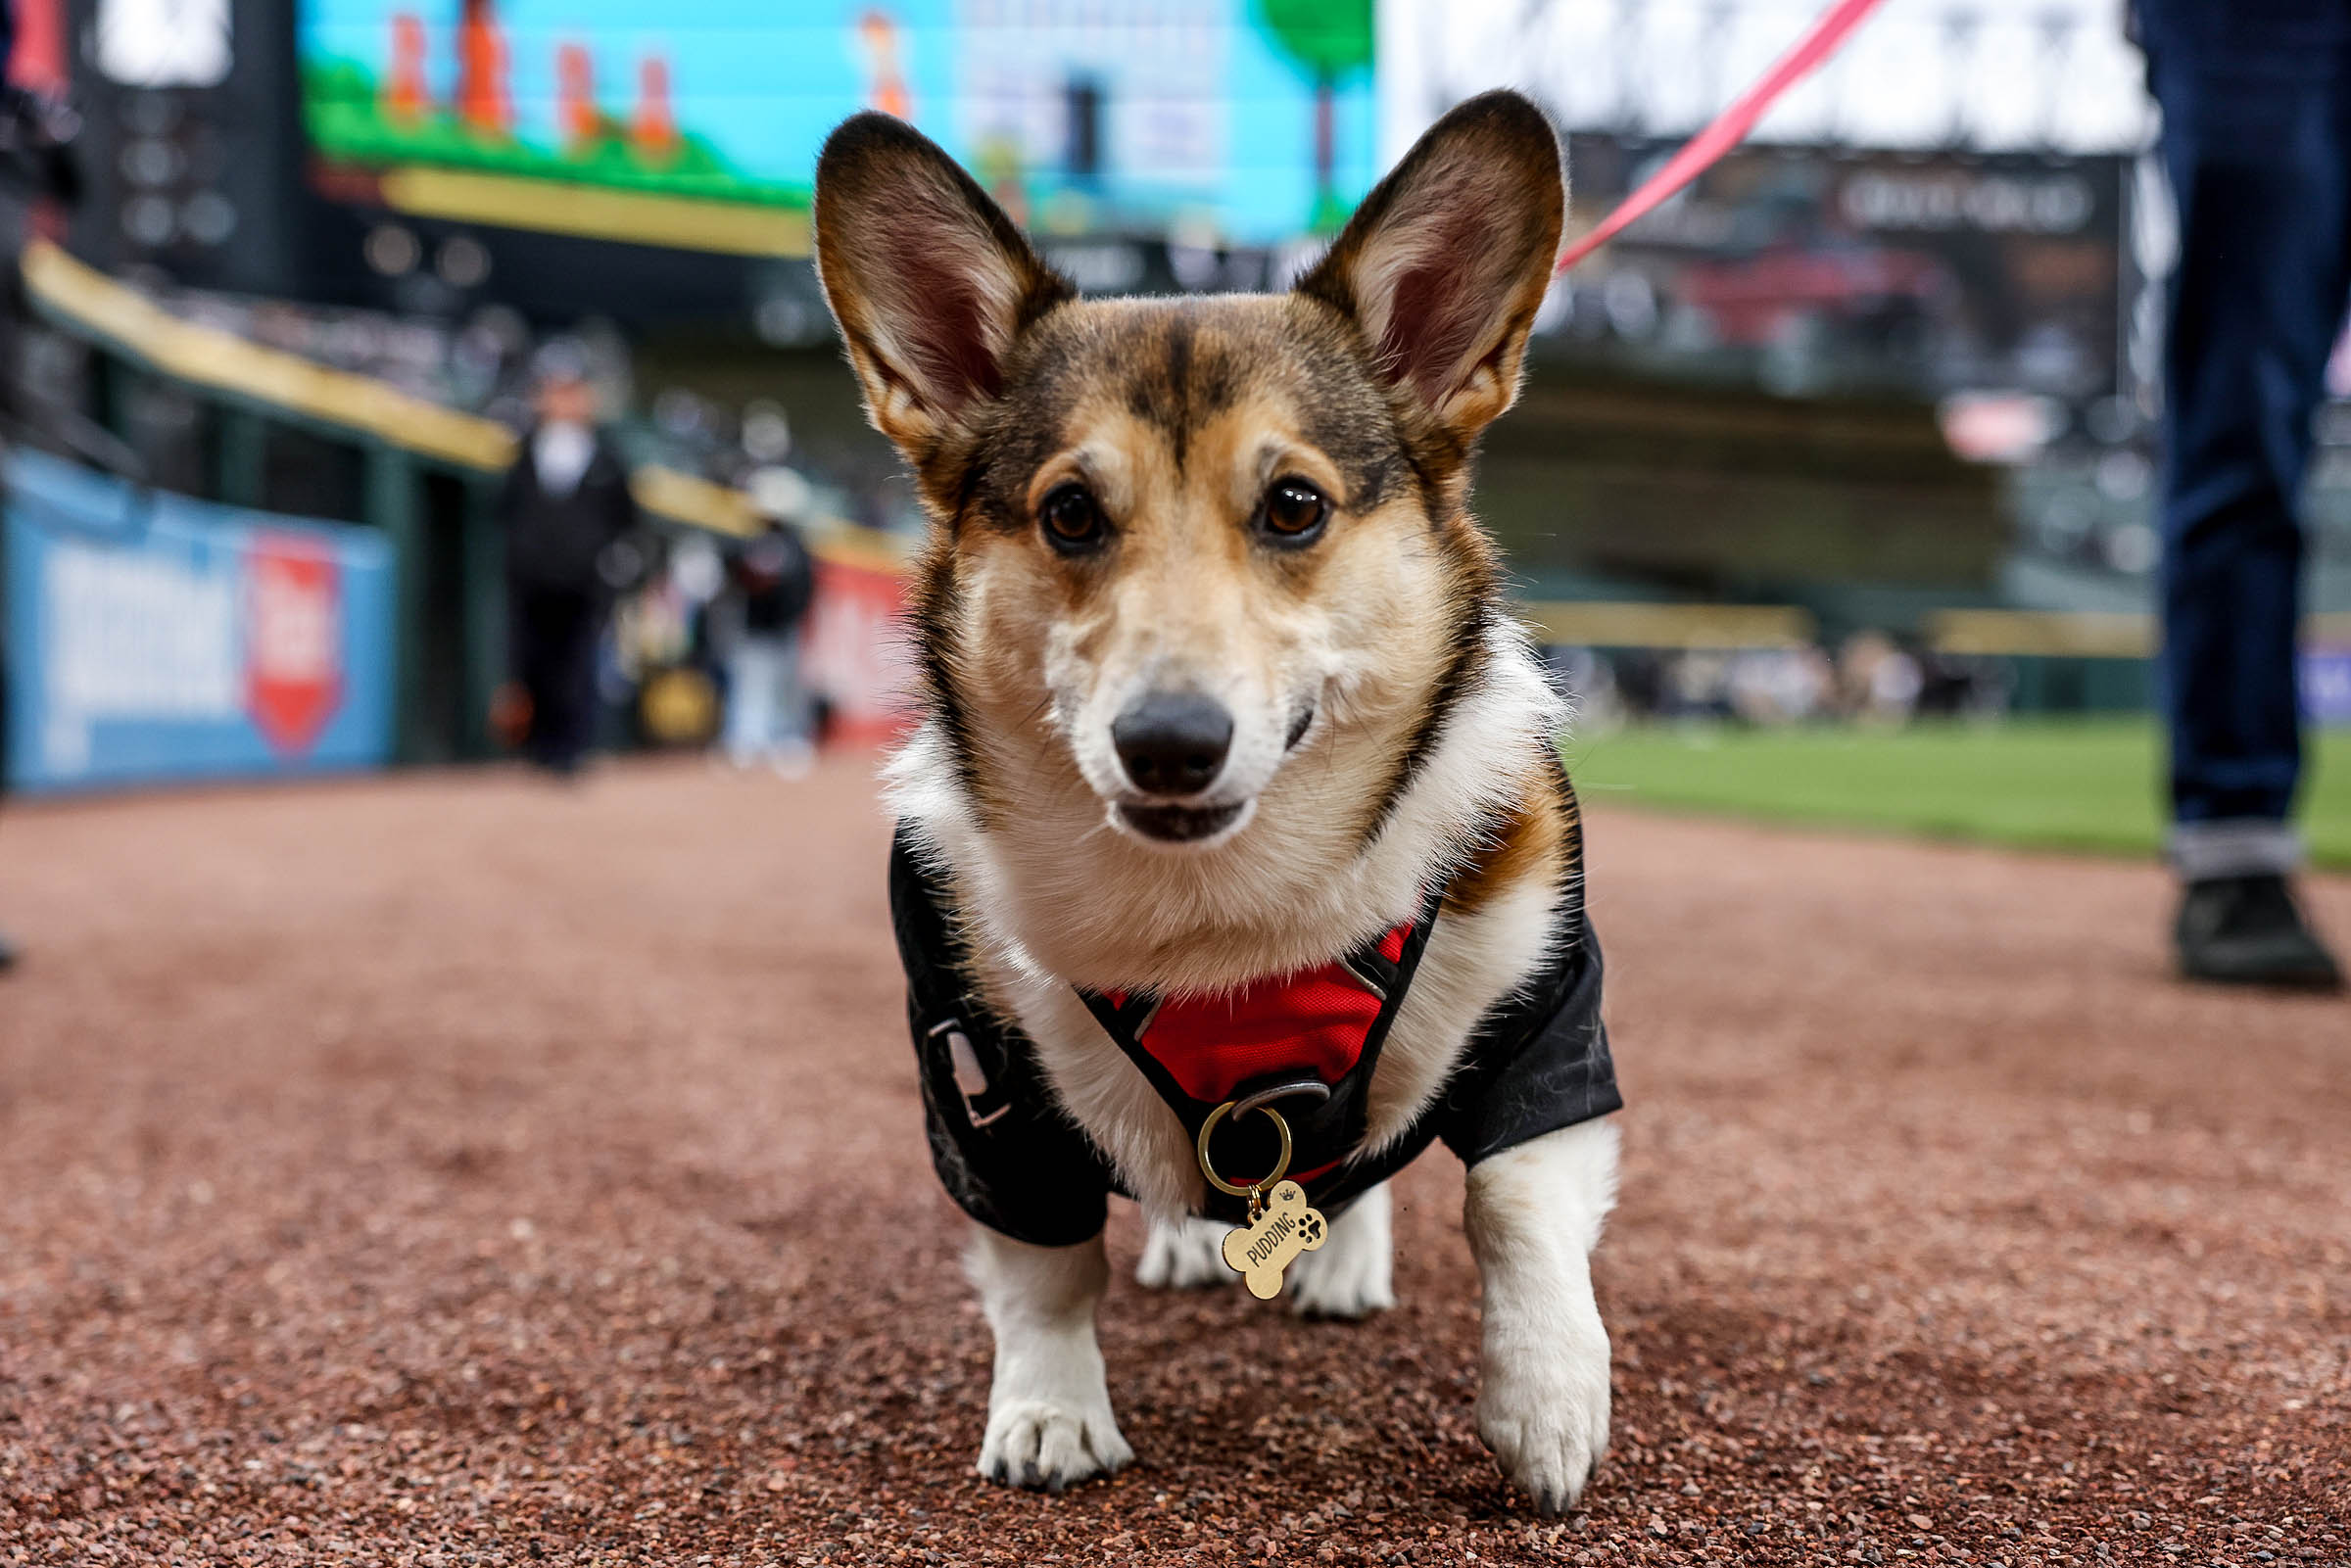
(1183, 1255)
(1037, 1443)
(1545, 1414)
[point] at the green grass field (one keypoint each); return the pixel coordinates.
(2087, 784)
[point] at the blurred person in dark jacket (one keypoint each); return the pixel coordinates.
(2256, 99)
(769, 584)
(570, 524)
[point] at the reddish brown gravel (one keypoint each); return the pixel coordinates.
(456, 1169)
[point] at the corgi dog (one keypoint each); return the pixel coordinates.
(1234, 841)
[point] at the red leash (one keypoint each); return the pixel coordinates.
(1729, 129)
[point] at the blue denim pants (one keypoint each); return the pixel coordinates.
(2256, 99)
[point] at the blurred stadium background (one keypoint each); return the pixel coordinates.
(1830, 493)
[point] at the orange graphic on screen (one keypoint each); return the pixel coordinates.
(575, 96)
(483, 102)
(654, 130)
(886, 88)
(406, 97)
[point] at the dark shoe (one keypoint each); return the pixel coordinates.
(2246, 931)
(8, 956)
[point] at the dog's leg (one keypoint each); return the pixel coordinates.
(1354, 1275)
(1048, 1409)
(1183, 1254)
(1534, 1214)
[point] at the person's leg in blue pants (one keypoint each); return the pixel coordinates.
(2256, 99)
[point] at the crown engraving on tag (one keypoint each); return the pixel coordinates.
(1262, 1251)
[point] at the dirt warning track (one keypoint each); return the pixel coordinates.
(458, 1170)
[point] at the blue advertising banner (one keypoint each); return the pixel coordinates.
(153, 639)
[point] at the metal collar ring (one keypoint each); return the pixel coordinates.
(1282, 1166)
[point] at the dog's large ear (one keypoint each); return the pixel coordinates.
(1443, 265)
(929, 279)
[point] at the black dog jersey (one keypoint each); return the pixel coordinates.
(1307, 1043)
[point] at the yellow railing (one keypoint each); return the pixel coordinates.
(2078, 634)
(1592, 622)
(589, 211)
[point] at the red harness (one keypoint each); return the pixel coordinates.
(1309, 1021)
(1309, 1038)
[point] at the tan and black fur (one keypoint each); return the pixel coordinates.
(1389, 729)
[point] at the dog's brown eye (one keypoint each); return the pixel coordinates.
(1072, 519)
(1293, 511)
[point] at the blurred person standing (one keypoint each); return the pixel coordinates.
(769, 584)
(2256, 99)
(569, 522)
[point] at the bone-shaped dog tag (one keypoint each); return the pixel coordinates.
(1261, 1250)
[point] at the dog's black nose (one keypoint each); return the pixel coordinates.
(1172, 742)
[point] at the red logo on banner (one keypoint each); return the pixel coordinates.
(294, 640)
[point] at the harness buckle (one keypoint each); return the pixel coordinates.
(1313, 1089)
(971, 1078)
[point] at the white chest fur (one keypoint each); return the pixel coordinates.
(1496, 737)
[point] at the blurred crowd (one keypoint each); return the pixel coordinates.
(489, 362)
(1870, 679)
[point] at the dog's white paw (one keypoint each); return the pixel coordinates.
(1048, 1409)
(1184, 1256)
(1545, 1414)
(1354, 1275)
(1040, 1444)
